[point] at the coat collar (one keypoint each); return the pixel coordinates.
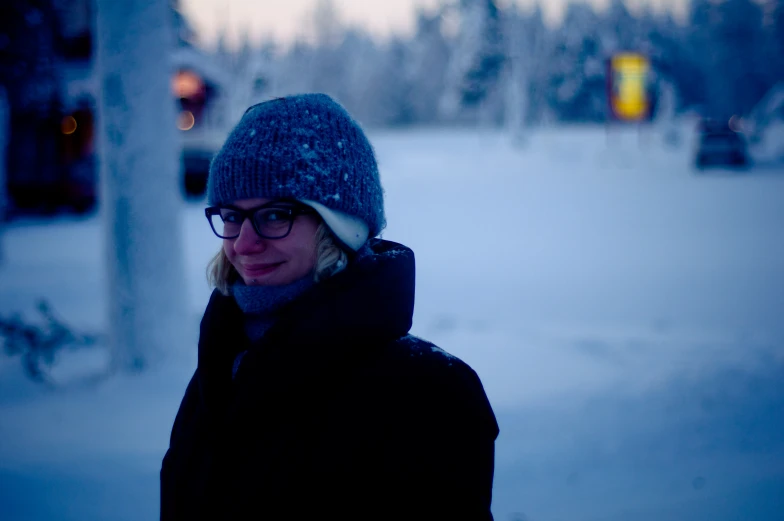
(370, 302)
(372, 299)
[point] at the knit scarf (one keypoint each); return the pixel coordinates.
(261, 303)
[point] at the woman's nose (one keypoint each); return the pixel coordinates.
(248, 240)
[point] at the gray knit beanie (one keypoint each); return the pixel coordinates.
(304, 147)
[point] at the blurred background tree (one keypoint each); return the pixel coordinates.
(466, 62)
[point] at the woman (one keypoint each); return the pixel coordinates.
(310, 398)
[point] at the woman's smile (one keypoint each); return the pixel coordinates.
(259, 270)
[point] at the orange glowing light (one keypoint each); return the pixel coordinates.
(185, 121)
(186, 84)
(68, 125)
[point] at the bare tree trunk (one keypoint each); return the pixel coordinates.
(140, 197)
(516, 99)
(516, 86)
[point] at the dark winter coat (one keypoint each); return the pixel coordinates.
(337, 413)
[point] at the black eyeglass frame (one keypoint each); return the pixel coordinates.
(293, 209)
(261, 103)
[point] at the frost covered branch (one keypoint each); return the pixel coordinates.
(39, 343)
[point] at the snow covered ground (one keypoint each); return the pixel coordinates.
(624, 313)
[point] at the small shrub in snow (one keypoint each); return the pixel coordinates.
(37, 344)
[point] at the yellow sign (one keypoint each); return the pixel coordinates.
(629, 93)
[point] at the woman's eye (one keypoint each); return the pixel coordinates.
(276, 215)
(230, 217)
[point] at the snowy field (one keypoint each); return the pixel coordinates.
(625, 314)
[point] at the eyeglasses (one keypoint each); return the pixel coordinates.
(273, 220)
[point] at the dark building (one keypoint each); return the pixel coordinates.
(47, 67)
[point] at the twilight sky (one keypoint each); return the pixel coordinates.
(285, 19)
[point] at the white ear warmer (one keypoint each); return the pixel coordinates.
(352, 231)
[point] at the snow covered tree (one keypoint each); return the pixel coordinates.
(537, 40)
(526, 69)
(139, 172)
(494, 65)
(367, 79)
(477, 59)
(518, 76)
(327, 25)
(620, 31)
(428, 54)
(739, 71)
(577, 71)
(678, 78)
(257, 78)
(316, 63)
(184, 34)
(389, 102)
(728, 40)
(294, 69)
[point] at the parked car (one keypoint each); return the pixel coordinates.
(719, 145)
(195, 169)
(198, 149)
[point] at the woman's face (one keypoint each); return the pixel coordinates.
(273, 262)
